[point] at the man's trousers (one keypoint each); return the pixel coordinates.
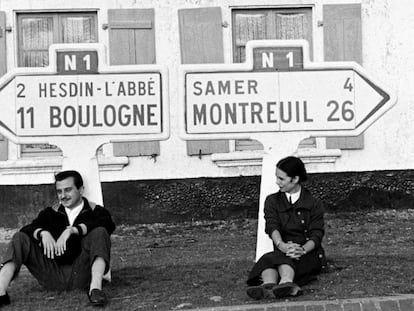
(25, 250)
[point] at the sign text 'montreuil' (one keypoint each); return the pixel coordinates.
(271, 101)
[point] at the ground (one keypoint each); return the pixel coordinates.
(199, 264)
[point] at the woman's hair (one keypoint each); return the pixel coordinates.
(293, 166)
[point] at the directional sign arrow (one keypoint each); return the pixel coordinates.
(118, 102)
(238, 101)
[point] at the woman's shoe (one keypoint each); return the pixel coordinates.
(263, 291)
(285, 290)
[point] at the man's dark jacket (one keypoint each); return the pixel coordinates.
(54, 220)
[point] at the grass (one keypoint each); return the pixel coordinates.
(202, 264)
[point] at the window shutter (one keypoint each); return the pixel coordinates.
(201, 41)
(132, 41)
(3, 70)
(343, 42)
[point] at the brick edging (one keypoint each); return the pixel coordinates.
(388, 303)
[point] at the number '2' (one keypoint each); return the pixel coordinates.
(20, 89)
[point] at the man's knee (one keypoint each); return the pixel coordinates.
(18, 250)
(99, 232)
(97, 244)
(97, 236)
(21, 238)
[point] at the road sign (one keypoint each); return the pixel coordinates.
(278, 97)
(79, 103)
(279, 90)
(78, 94)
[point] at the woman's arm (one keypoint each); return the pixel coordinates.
(282, 245)
(316, 225)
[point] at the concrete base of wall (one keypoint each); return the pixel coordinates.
(152, 201)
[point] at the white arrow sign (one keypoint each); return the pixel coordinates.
(279, 101)
(236, 101)
(120, 102)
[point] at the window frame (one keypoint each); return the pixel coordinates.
(37, 150)
(308, 10)
(57, 26)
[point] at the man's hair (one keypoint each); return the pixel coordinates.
(293, 166)
(77, 178)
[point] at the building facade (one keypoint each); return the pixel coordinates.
(376, 34)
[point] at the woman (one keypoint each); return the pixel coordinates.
(294, 221)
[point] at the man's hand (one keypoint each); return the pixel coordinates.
(61, 242)
(49, 244)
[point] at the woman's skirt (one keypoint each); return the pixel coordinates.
(306, 267)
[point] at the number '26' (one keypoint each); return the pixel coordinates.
(339, 111)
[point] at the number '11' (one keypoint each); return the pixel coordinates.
(30, 114)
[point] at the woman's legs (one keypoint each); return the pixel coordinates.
(286, 286)
(269, 275)
(286, 273)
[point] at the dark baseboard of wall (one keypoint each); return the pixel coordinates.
(149, 201)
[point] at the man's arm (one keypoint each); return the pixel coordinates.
(101, 218)
(38, 224)
(61, 246)
(37, 229)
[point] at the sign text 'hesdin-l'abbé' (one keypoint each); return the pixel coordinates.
(79, 100)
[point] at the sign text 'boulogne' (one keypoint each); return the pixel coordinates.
(78, 99)
(103, 104)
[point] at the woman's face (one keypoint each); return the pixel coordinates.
(286, 183)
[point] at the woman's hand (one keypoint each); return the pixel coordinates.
(294, 250)
(284, 247)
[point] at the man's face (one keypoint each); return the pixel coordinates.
(68, 194)
(285, 182)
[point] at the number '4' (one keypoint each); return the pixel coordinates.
(348, 85)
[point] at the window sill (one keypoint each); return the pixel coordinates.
(54, 164)
(238, 158)
(254, 158)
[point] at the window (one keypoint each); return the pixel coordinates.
(260, 24)
(36, 32)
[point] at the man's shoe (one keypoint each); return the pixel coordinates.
(97, 298)
(263, 291)
(4, 300)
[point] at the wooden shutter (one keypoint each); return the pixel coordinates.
(132, 41)
(201, 41)
(3, 70)
(343, 42)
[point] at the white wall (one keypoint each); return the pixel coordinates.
(388, 54)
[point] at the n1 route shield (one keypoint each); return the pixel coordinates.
(230, 101)
(128, 102)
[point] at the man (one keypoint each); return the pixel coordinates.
(67, 246)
